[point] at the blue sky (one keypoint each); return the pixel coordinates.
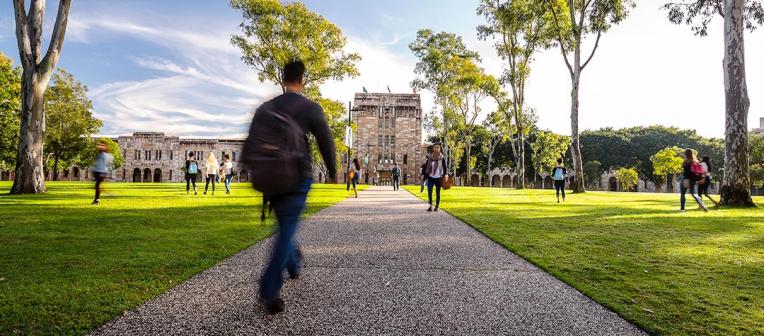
(155, 65)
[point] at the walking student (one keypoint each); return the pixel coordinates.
(396, 172)
(288, 206)
(692, 173)
(226, 170)
(435, 172)
(705, 163)
(192, 171)
(211, 170)
(559, 173)
(355, 173)
(103, 163)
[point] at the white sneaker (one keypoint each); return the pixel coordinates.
(682, 211)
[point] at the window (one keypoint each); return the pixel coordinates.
(137, 155)
(392, 122)
(171, 152)
(392, 140)
(234, 156)
(379, 140)
(186, 155)
(171, 173)
(379, 158)
(381, 122)
(405, 158)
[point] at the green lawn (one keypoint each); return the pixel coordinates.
(672, 274)
(67, 267)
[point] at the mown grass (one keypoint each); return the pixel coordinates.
(67, 267)
(670, 273)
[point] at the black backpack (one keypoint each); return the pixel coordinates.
(274, 151)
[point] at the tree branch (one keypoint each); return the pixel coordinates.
(57, 39)
(22, 34)
(596, 45)
(559, 37)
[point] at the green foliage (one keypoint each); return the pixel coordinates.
(627, 178)
(69, 267)
(756, 157)
(276, 33)
(119, 160)
(546, 148)
(69, 123)
(669, 273)
(10, 107)
(700, 13)
(593, 173)
(336, 116)
(667, 161)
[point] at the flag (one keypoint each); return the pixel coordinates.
(388, 89)
(364, 90)
(414, 89)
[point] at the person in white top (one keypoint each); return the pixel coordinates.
(703, 188)
(211, 170)
(434, 172)
(226, 170)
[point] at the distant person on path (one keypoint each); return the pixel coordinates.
(211, 170)
(103, 163)
(354, 174)
(703, 188)
(435, 172)
(192, 171)
(310, 118)
(226, 170)
(396, 172)
(692, 173)
(559, 173)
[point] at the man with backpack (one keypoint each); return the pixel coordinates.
(558, 176)
(396, 172)
(192, 171)
(279, 159)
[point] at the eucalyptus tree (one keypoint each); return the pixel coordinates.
(275, 33)
(497, 128)
(738, 15)
(519, 29)
(435, 53)
(574, 21)
(10, 107)
(546, 148)
(37, 69)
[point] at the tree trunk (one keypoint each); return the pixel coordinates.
(521, 171)
(56, 157)
(575, 148)
(469, 169)
(737, 179)
(30, 176)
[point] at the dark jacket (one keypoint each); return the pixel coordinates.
(310, 117)
(427, 163)
(188, 163)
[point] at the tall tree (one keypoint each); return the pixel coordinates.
(520, 28)
(593, 173)
(275, 34)
(70, 122)
(30, 177)
(574, 21)
(546, 148)
(738, 15)
(756, 147)
(497, 131)
(10, 107)
(336, 116)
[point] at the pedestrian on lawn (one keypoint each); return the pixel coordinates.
(103, 164)
(211, 171)
(226, 170)
(703, 188)
(192, 171)
(692, 173)
(559, 173)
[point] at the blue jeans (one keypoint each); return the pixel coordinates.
(288, 208)
(434, 182)
(228, 178)
(683, 191)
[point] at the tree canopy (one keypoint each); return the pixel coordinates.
(10, 109)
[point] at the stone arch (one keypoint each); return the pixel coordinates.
(147, 175)
(5, 175)
(157, 175)
(506, 181)
(548, 183)
(243, 175)
(66, 173)
(496, 181)
(75, 172)
(137, 175)
(475, 180)
(612, 184)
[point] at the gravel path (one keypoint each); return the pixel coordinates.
(379, 265)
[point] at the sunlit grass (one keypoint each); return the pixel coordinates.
(670, 273)
(66, 267)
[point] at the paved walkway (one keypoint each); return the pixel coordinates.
(379, 265)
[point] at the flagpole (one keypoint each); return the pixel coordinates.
(349, 136)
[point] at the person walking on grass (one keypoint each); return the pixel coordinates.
(396, 172)
(435, 172)
(705, 163)
(309, 118)
(211, 171)
(226, 170)
(192, 171)
(692, 175)
(559, 173)
(355, 173)
(103, 164)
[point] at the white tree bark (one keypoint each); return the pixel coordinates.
(737, 179)
(30, 176)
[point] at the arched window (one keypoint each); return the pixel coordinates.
(147, 175)
(157, 175)
(136, 175)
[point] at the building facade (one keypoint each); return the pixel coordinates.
(388, 131)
